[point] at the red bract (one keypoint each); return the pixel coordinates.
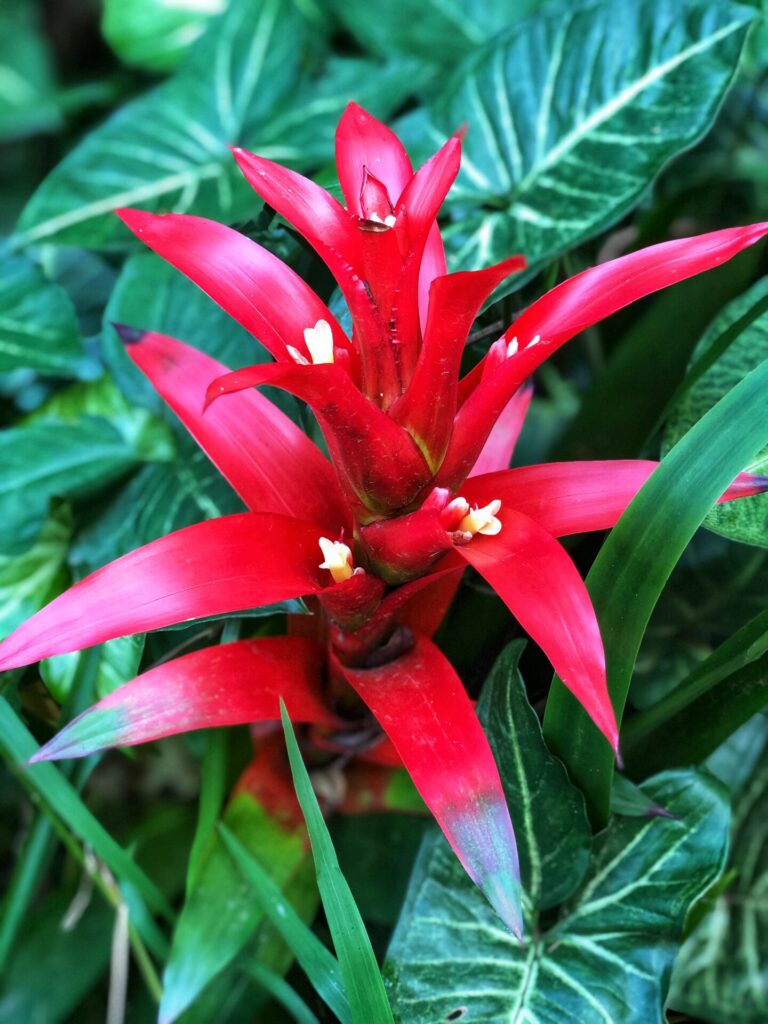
(376, 538)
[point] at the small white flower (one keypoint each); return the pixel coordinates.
(482, 520)
(337, 559)
(319, 341)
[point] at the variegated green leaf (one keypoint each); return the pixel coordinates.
(606, 960)
(735, 343)
(554, 154)
(155, 34)
(38, 328)
(721, 974)
(31, 576)
(548, 814)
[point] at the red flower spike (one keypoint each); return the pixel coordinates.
(284, 472)
(233, 684)
(576, 497)
(376, 457)
(428, 406)
(541, 586)
(213, 568)
(500, 446)
(257, 289)
(567, 310)
(352, 603)
(375, 204)
(425, 711)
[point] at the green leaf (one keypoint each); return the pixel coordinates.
(30, 577)
(155, 34)
(52, 458)
(71, 960)
(571, 115)
(368, 1001)
(609, 955)
(17, 746)
(118, 662)
(26, 76)
(319, 965)
(548, 815)
(637, 559)
(745, 520)
(169, 148)
(38, 328)
(720, 974)
(218, 916)
(282, 992)
(439, 31)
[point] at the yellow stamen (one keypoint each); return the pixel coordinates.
(482, 520)
(337, 559)
(319, 341)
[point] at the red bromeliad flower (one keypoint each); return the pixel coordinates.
(417, 487)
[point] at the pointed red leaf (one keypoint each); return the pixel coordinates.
(220, 566)
(233, 684)
(315, 214)
(576, 497)
(565, 311)
(428, 406)
(378, 458)
(499, 448)
(542, 588)
(269, 461)
(433, 265)
(363, 142)
(424, 709)
(256, 288)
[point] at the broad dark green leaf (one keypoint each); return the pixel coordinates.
(154, 34)
(551, 827)
(317, 962)
(32, 575)
(53, 458)
(638, 557)
(439, 31)
(720, 974)
(52, 968)
(745, 520)
(571, 114)
(368, 1003)
(219, 916)
(38, 328)
(608, 957)
(26, 73)
(169, 148)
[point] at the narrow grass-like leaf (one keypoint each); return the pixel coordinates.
(320, 966)
(368, 1001)
(213, 780)
(638, 557)
(282, 992)
(26, 875)
(17, 746)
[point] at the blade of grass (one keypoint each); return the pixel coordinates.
(213, 782)
(637, 558)
(282, 992)
(360, 973)
(45, 781)
(319, 965)
(37, 848)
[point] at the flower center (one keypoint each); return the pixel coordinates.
(337, 559)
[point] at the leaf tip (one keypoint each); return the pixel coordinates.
(128, 335)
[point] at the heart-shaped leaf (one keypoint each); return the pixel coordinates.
(609, 955)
